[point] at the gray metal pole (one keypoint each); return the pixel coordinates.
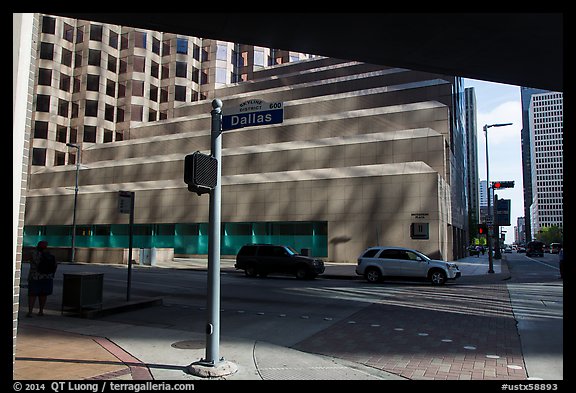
(489, 215)
(213, 324)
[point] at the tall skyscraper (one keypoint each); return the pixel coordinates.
(546, 123)
(526, 95)
(472, 156)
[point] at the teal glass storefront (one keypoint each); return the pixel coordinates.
(185, 238)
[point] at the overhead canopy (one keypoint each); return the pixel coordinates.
(524, 49)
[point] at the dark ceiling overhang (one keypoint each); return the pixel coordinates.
(524, 49)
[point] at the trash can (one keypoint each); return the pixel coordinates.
(82, 290)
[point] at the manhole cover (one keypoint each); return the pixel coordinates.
(188, 344)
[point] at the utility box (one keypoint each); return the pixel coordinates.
(82, 290)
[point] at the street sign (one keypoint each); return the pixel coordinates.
(124, 202)
(252, 112)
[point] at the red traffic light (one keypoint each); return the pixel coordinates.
(497, 185)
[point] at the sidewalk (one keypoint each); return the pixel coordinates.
(56, 347)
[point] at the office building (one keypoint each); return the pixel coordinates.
(365, 155)
(547, 167)
(472, 156)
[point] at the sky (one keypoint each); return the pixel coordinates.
(500, 103)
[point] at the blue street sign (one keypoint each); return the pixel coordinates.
(253, 113)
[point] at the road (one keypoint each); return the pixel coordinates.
(536, 293)
(293, 313)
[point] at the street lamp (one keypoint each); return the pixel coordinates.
(489, 219)
(75, 200)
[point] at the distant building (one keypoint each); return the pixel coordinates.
(546, 148)
(472, 156)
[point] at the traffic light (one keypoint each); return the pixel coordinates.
(482, 230)
(200, 172)
(498, 185)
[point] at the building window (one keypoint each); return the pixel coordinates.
(39, 156)
(46, 51)
(66, 58)
(203, 78)
(165, 72)
(153, 93)
(112, 63)
(221, 52)
(123, 66)
(138, 88)
(64, 82)
(136, 113)
(163, 115)
(181, 69)
(80, 34)
(196, 52)
(221, 75)
(48, 25)
(76, 86)
(74, 113)
(73, 135)
(41, 130)
(119, 116)
(61, 134)
(89, 134)
(166, 48)
(182, 45)
(121, 90)
(94, 57)
(91, 109)
(156, 45)
(124, 41)
(180, 93)
(78, 59)
(119, 136)
(140, 39)
(44, 76)
(195, 74)
(139, 64)
(113, 39)
(68, 33)
(110, 88)
(95, 32)
(109, 112)
(62, 108)
(108, 135)
(163, 95)
(259, 58)
(93, 82)
(152, 115)
(154, 69)
(42, 103)
(59, 158)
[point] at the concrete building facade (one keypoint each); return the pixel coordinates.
(365, 155)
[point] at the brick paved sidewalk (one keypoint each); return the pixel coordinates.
(460, 332)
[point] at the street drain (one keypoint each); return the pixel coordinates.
(188, 344)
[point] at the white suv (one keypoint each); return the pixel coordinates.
(375, 263)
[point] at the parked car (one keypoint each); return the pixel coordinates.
(555, 248)
(521, 249)
(508, 249)
(377, 263)
(535, 248)
(263, 259)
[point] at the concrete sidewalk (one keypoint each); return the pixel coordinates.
(56, 347)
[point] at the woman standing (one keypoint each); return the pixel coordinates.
(40, 282)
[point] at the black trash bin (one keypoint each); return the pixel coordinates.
(81, 291)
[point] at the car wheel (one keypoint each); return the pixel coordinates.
(437, 277)
(250, 271)
(302, 273)
(373, 275)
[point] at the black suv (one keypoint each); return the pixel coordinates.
(535, 248)
(262, 259)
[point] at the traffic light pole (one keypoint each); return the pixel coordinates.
(213, 365)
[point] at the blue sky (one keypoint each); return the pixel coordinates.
(500, 103)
